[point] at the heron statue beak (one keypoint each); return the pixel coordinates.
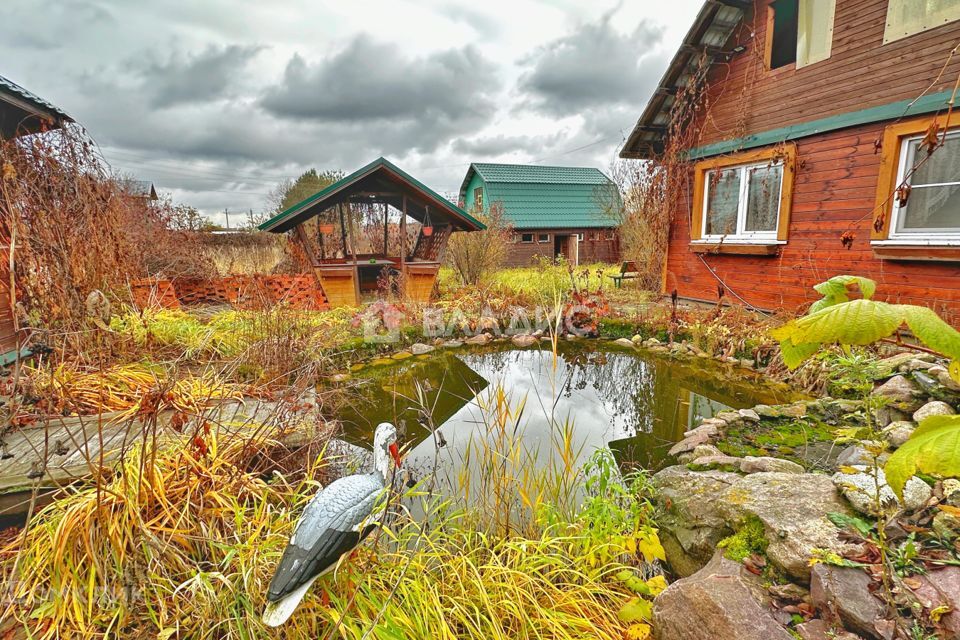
(395, 452)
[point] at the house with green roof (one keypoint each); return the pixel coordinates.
(565, 211)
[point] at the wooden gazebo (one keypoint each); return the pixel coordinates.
(376, 225)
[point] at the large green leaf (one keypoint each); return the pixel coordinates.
(855, 322)
(933, 449)
(836, 290)
(795, 354)
(931, 330)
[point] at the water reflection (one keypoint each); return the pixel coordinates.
(635, 404)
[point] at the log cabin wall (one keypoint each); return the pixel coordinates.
(836, 172)
(861, 72)
(598, 245)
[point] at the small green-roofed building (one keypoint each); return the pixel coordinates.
(565, 211)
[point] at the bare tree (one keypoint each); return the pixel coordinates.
(473, 255)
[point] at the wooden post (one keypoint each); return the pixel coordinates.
(343, 230)
(403, 236)
(386, 228)
(353, 252)
(308, 250)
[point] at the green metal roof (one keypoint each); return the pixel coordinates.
(540, 175)
(537, 197)
(321, 200)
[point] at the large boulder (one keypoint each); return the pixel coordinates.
(722, 601)
(691, 525)
(842, 594)
(941, 589)
(793, 509)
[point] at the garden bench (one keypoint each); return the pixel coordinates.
(628, 271)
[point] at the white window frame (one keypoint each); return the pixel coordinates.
(931, 236)
(741, 235)
(580, 237)
(522, 241)
(543, 238)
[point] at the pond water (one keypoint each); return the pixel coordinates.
(636, 403)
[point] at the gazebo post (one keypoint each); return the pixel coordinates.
(353, 253)
(386, 228)
(403, 236)
(343, 229)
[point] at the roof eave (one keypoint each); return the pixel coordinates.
(641, 146)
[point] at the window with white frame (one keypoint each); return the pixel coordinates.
(526, 238)
(930, 208)
(742, 203)
(543, 237)
(579, 237)
(907, 17)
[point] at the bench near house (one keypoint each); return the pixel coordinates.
(555, 211)
(813, 114)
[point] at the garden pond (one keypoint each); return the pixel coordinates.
(591, 395)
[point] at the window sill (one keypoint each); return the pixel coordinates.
(737, 248)
(944, 251)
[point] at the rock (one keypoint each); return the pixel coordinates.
(691, 524)
(951, 492)
(524, 341)
(896, 433)
(766, 411)
(897, 389)
(891, 364)
(623, 342)
(941, 588)
(793, 411)
(765, 464)
(637, 339)
(933, 408)
(728, 416)
(917, 365)
(928, 384)
(789, 591)
(452, 344)
(420, 349)
(720, 602)
(709, 428)
(746, 363)
(857, 454)
(700, 451)
(480, 338)
(793, 509)
(943, 377)
(946, 526)
(818, 629)
(717, 461)
(689, 443)
(843, 594)
(860, 489)
(749, 415)
(486, 323)
(884, 416)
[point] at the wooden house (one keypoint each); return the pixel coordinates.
(554, 211)
(21, 113)
(377, 226)
(822, 140)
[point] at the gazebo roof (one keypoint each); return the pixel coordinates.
(380, 181)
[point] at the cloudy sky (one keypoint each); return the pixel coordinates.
(215, 101)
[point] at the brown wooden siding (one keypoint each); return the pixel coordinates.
(521, 254)
(862, 72)
(8, 335)
(835, 190)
